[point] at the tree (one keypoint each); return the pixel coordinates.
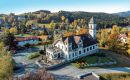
(39, 75)
(6, 63)
(63, 18)
(103, 38)
(128, 43)
(115, 29)
(6, 67)
(1, 46)
(13, 30)
(113, 41)
(9, 40)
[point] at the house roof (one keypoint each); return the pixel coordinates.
(92, 21)
(122, 36)
(86, 39)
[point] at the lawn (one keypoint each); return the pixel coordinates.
(115, 76)
(92, 59)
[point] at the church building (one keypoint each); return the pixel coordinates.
(74, 47)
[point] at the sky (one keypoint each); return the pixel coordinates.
(22, 6)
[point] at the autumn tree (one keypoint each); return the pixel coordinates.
(9, 40)
(103, 38)
(128, 43)
(41, 74)
(115, 29)
(13, 30)
(63, 18)
(6, 67)
(112, 41)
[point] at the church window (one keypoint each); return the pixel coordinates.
(93, 47)
(69, 56)
(84, 50)
(90, 48)
(79, 52)
(73, 54)
(87, 49)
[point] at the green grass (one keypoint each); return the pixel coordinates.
(34, 55)
(47, 25)
(92, 59)
(115, 76)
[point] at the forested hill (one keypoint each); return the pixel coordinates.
(103, 19)
(124, 14)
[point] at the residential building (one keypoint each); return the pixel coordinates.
(22, 41)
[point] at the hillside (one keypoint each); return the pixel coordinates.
(46, 17)
(124, 14)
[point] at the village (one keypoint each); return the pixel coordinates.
(78, 50)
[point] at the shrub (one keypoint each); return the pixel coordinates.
(42, 52)
(27, 45)
(34, 55)
(39, 75)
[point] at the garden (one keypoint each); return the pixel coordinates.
(97, 59)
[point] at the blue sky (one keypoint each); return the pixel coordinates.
(21, 6)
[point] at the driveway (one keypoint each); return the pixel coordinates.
(21, 59)
(70, 70)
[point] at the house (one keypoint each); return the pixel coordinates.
(20, 18)
(34, 27)
(75, 46)
(22, 41)
(1, 21)
(123, 38)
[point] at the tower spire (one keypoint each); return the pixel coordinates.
(92, 27)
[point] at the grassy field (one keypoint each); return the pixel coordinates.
(92, 59)
(115, 76)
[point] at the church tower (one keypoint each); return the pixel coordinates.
(92, 27)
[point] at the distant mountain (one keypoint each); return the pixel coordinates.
(123, 14)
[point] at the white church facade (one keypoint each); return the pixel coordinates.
(74, 47)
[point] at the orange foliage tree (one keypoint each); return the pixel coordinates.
(128, 43)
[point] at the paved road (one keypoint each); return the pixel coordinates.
(74, 72)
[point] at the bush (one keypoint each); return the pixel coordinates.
(41, 51)
(41, 74)
(27, 45)
(34, 55)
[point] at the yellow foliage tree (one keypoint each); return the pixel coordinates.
(128, 43)
(63, 18)
(13, 30)
(6, 67)
(115, 29)
(1, 46)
